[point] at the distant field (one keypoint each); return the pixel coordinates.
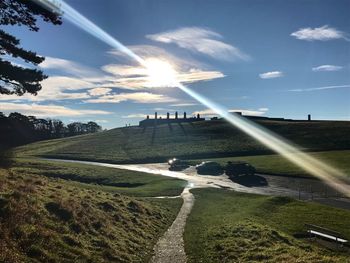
(226, 226)
(57, 212)
(275, 164)
(188, 140)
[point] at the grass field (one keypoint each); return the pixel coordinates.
(110, 179)
(188, 140)
(55, 212)
(275, 164)
(225, 226)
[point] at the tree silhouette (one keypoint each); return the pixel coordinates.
(15, 79)
(18, 129)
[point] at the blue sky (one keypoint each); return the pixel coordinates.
(270, 58)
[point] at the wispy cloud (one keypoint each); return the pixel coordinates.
(68, 67)
(135, 77)
(271, 75)
(323, 33)
(201, 40)
(79, 82)
(57, 88)
(101, 121)
(184, 104)
(321, 88)
(142, 116)
(327, 68)
(248, 112)
(135, 115)
(50, 110)
(99, 91)
(137, 97)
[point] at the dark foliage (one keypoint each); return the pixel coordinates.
(16, 79)
(17, 129)
(25, 12)
(5, 158)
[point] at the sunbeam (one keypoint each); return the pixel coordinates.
(313, 166)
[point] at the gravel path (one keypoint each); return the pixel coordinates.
(170, 247)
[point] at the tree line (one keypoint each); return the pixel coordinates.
(17, 129)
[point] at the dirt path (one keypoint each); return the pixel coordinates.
(170, 247)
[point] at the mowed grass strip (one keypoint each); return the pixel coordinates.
(50, 219)
(187, 140)
(110, 179)
(276, 164)
(226, 226)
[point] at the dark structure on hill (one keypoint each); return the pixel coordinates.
(159, 120)
(254, 118)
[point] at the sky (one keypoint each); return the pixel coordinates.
(265, 58)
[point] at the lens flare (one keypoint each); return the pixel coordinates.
(271, 140)
(160, 73)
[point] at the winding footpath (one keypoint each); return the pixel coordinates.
(170, 247)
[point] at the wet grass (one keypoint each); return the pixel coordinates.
(188, 140)
(225, 226)
(54, 219)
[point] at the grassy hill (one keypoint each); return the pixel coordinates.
(188, 140)
(58, 212)
(226, 226)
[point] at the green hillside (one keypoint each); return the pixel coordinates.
(226, 226)
(58, 212)
(188, 140)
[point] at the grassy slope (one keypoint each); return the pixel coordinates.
(275, 164)
(109, 179)
(46, 219)
(226, 226)
(189, 140)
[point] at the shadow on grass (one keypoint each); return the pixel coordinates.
(182, 128)
(6, 158)
(250, 180)
(154, 132)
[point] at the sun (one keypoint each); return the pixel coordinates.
(160, 73)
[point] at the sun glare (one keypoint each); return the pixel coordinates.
(160, 73)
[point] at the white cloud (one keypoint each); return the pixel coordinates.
(271, 75)
(68, 67)
(259, 112)
(183, 104)
(263, 109)
(144, 116)
(200, 40)
(99, 91)
(323, 33)
(138, 97)
(79, 82)
(327, 68)
(56, 88)
(136, 77)
(248, 112)
(47, 110)
(135, 115)
(321, 88)
(101, 121)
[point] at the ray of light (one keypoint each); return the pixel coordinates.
(273, 141)
(87, 25)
